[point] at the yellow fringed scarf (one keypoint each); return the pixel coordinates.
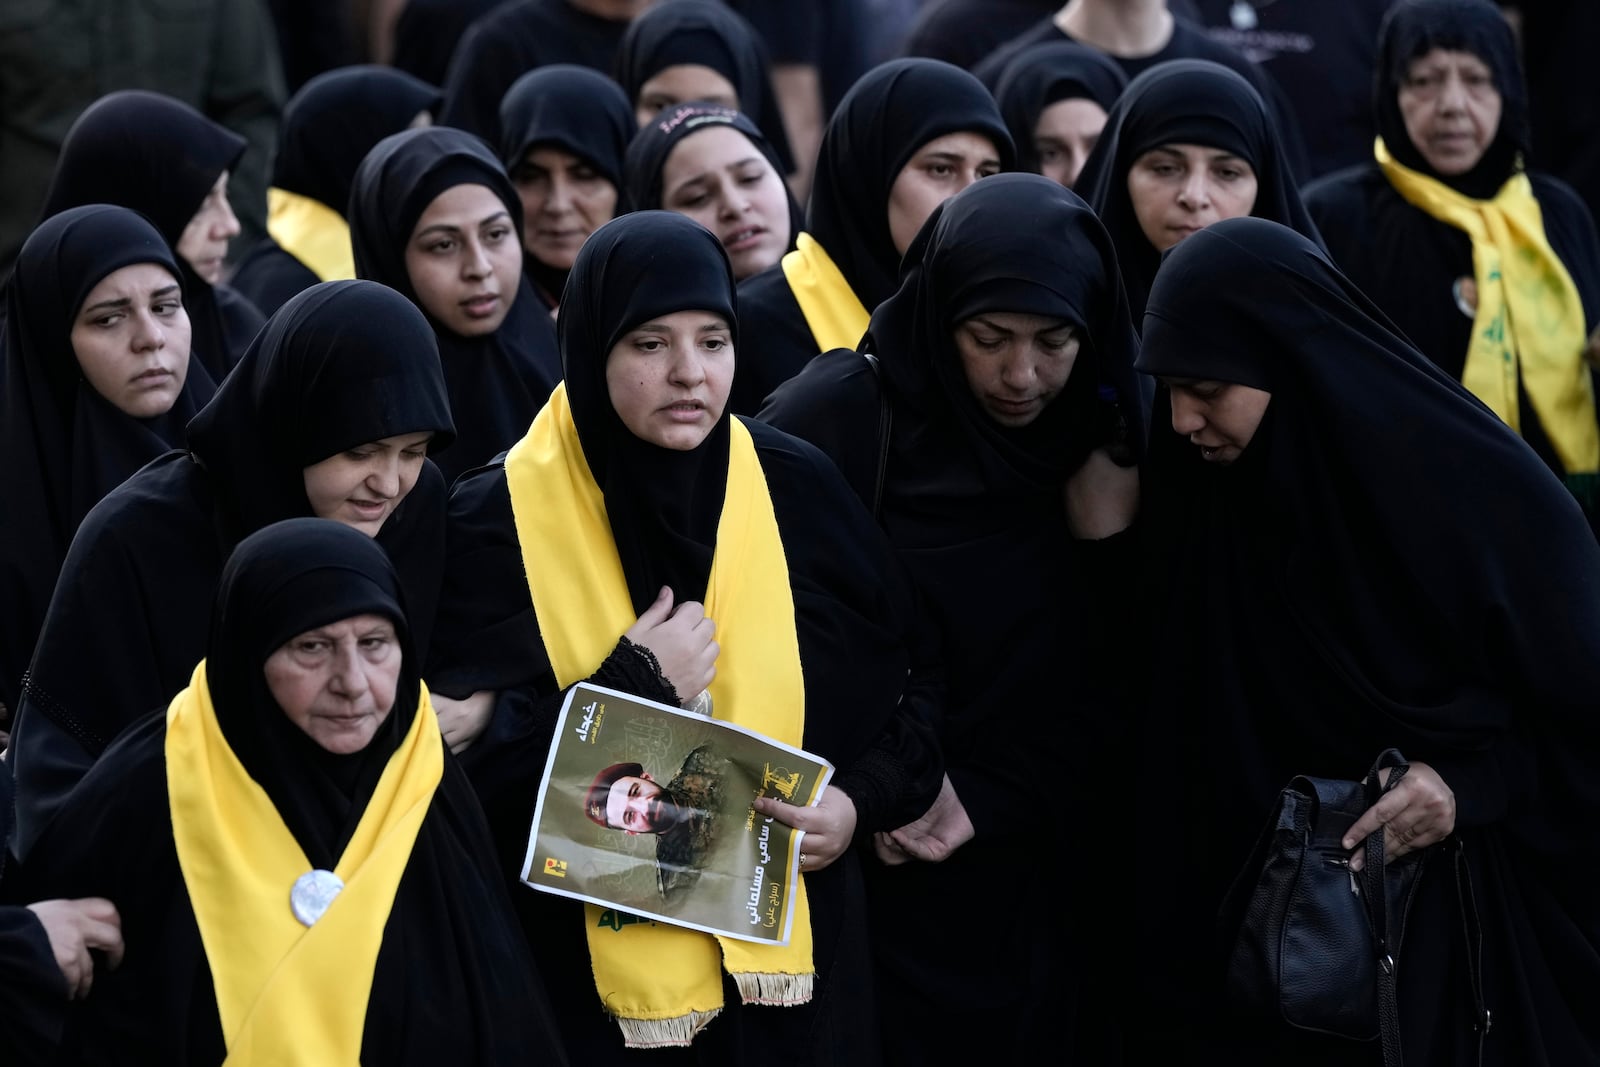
(832, 309)
(664, 983)
(1529, 323)
(311, 232)
(287, 994)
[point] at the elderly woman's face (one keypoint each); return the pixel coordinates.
(668, 378)
(337, 682)
(1451, 109)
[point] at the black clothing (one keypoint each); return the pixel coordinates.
(341, 365)
(1318, 603)
(1184, 102)
(966, 32)
(823, 34)
(159, 157)
(577, 110)
(1411, 263)
(33, 991)
(1186, 42)
(427, 32)
(882, 122)
(1556, 39)
(328, 128)
(1321, 55)
(707, 33)
(65, 445)
(453, 979)
(974, 510)
(850, 615)
(511, 40)
(498, 381)
(1044, 74)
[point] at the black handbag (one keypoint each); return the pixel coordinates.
(1317, 945)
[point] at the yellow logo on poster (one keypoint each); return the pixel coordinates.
(555, 868)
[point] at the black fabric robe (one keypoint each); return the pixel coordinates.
(160, 157)
(497, 382)
(341, 365)
(1386, 564)
(1032, 625)
(865, 689)
(883, 121)
(33, 991)
(707, 33)
(577, 110)
(65, 445)
(328, 127)
(453, 980)
(1407, 260)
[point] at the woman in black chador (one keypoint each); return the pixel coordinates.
(433, 216)
(97, 381)
(981, 439)
(1366, 559)
(332, 412)
(1491, 268)
(641, 536)
(302, 871)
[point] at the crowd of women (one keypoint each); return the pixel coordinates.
(1066, 473)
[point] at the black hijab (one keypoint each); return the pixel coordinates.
(283, 580)
(663, 505)
(708, 34)
(1046, 73)
(1324, 604)
(65, 445)
(160, 157)
(335, 119)
(1416, 27)
(577, 110)
(1185, 101)
(647, 155)
(882, 122)
(497, 382)
(1018, 243)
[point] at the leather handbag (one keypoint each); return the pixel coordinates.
(1317, 945)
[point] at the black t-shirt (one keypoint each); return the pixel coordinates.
(965, 32)
(1322, 56)
(819, 33)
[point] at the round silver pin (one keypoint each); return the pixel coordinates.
(312, 894)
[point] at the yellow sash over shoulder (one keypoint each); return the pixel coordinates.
(1529, 324)
(832, 309)
(664, 983)
(311, 232)
(287, 994)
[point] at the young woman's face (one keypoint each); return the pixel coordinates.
(723, 182)
(939, 170)
(1065, 134)
(1451, 109)
(564, 200)
(337, 682)
(1220, 418)
(1016, 362)
(669, 378)
(204, 242)
(679, 84)
(362, 486)
(1180, 189)
(465, 261)
(131, 337)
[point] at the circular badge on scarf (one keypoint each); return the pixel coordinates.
(312, 895)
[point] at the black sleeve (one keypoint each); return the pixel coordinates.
(837, 404)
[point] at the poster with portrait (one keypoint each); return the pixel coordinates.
(646, 811)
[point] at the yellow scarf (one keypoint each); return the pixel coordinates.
(662, 982)
(1529, 321)
(832, 309)
(311, 232)
(287, 994)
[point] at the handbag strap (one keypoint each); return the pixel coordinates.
(1375, 895)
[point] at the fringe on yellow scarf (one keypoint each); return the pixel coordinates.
(287, 994)
(663, 983)
(311, 232)
(1529, 325)
(832, 309)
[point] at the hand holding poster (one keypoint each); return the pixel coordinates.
(647, 808)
